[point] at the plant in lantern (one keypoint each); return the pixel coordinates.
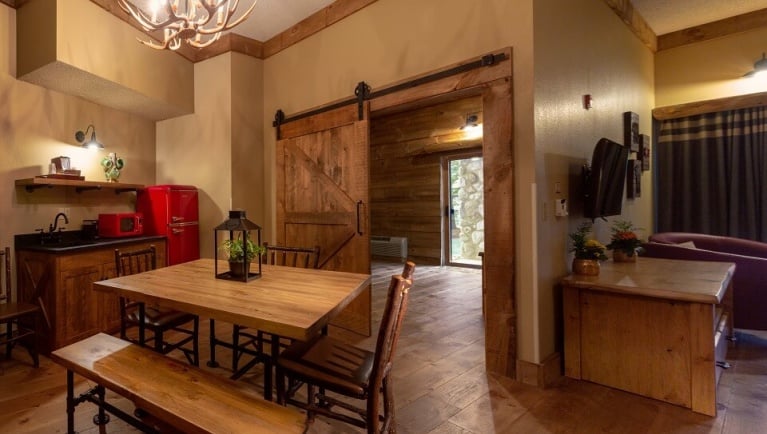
(624, 241)
(236, 251)
(588, 251)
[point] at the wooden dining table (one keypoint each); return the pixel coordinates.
(291, 302)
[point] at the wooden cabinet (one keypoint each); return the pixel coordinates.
(64, 281)
(656, 327)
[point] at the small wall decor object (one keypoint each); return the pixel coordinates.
(644, 151)
(112, 165)
(633, 179)
(631, 131)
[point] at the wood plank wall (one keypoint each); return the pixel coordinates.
(406, 149)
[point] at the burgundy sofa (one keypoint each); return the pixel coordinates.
(750, 258)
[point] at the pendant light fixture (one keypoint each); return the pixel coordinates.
(199, 23)
(760, 67)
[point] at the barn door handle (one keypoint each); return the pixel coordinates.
(359, 229)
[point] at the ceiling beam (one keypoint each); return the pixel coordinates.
(716, 29)
(625, 10)
(709, 106)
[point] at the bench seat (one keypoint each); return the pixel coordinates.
(183, 396)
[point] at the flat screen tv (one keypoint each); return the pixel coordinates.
(605, 180)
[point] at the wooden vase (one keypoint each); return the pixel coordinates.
(586, 267)
(622, 256)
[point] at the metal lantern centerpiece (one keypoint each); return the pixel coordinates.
(238, 244)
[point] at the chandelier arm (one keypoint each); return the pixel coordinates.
(144, 20)
(226, 25)
(196, 44)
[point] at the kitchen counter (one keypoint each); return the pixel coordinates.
(74, 242)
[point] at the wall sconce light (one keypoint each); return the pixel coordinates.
(472, 128)
(92, 144)
(760, 67)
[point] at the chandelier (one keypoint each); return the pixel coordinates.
(197, 22)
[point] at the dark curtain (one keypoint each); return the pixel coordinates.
(712, 174)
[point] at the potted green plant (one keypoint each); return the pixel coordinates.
(236, 251)
(624, 241)
(588, 251)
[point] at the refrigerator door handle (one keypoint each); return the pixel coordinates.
(176, 231)
(176, 219)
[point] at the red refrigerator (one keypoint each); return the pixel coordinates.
(173, 211)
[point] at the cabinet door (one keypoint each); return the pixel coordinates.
(77, 311)
(107, 305)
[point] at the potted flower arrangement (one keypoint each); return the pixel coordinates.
(624, 241)
(236, 252)
(588, 251)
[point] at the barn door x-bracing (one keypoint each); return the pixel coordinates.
(322, 196)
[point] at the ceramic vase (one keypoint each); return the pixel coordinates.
(586, 267)
(622, 256)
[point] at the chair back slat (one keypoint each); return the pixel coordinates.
(137, 261)
(5, 278)
(303, 257)
(391, 324)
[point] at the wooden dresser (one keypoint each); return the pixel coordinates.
(656, 327)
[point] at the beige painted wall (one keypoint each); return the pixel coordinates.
(93, 54)
(710, 69)
(218, 148)
(37, 124)
(392, 40)
(607, 61)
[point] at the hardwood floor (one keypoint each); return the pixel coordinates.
(440, 382)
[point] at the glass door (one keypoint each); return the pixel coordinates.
(464, 223)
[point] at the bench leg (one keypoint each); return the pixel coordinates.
(70, 402)
(212, 361)
(102, 418)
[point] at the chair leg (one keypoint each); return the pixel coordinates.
(309, 403)
(158, 342)
(32, 343)
(196, 341)
(388, 405)
(8, 336)
(212, 363)
(280, 379)
(235, 347)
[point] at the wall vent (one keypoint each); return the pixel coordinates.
(390, 247)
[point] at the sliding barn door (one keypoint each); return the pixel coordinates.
(322, 196)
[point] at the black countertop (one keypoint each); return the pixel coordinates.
(73, 241)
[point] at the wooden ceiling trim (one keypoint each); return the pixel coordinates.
(710, 106)
(11, 3)
(716, 29)
(625, 10)
(315, 23)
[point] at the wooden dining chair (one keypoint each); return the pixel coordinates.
(332, 365)
(159, 321)
(19, 318)
(253, 343)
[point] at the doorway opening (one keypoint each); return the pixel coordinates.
(464, 222)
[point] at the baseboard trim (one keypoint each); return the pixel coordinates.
(545, 374)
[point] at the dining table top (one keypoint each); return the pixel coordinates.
(288, 301)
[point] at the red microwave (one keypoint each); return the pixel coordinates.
(125, 224)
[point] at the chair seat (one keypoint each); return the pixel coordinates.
(161, 318)
(330, 363)
(10, 311)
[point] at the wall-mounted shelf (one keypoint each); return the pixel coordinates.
(32, 184)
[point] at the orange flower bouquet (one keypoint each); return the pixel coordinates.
(623, 238)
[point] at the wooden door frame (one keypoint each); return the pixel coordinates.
(494, 85)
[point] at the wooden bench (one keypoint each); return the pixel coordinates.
(180, 395)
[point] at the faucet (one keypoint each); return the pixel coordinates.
(52, 228)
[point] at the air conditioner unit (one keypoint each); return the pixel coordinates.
(391, 247)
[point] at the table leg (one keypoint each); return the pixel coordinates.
(70, 402)
(212, 362)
